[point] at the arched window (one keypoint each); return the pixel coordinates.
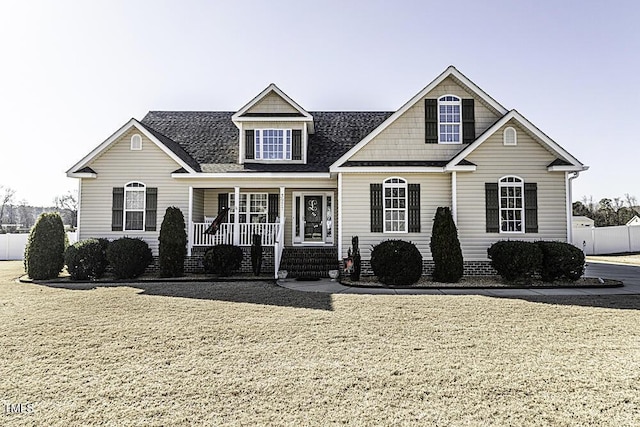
(510, 137)
(449, 120)
(136, 142)
(134, 206)
(395, 205)
(511, 191)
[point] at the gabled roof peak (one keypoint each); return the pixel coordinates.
(300, 113)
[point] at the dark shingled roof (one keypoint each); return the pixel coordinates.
(559, 162)
(212, 138)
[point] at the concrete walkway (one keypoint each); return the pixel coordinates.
(628, 274)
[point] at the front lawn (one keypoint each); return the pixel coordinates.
(252, 353)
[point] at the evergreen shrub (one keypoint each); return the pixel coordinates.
(560, 260)
(516, 261)
(222, 259)
(445, 248)
(396, 262)
(173, 243)
(128, 257)
(86, 259)
(44, 253)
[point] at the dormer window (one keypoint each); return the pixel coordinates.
(273, 144)
(449, 119)
(277, 145)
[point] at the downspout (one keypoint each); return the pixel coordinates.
(570, 177)
(454, 197)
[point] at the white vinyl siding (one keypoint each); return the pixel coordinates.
(528, 160)
(435, 191)
(272, 103)
(118, 166)
(404, 138)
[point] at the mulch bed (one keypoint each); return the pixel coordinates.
(484, 282)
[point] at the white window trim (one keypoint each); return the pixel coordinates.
(141, 187)
(501, 185)
(258, 139)
(459, 104)
(515, 136)
(137, 145)
(248, 212)
(387, 184)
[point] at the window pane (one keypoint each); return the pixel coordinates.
(134, 220)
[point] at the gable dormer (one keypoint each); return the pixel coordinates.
(273, 129)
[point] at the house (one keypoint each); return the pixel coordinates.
(582, 221)
(309, 181)
(634, 221)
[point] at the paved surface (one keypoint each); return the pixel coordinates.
(628, 274)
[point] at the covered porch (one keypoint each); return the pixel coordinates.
(281, 216)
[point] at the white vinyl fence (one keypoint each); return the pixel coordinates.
(607, 240)
(12, 245)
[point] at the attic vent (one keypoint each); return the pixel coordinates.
(136, 142)
(510, 137)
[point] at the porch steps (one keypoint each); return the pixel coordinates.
(309, 261)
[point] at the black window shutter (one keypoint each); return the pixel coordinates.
(414, 208)
(151, 209)
(249, 144)
(431, 121)
(117, 209)
(223, 202)
(274, 200)
(492, 207)
(296, 144)
(530, 207)
(468, 121)
(376, 208)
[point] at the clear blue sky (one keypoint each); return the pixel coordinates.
(73, 72)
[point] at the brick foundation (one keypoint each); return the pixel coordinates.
(193, 263)
(471, 268)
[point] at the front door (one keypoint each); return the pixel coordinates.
(313, 218)
(313, 221)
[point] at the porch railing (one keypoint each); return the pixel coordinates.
(268, 231)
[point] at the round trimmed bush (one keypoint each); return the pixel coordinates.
(396, 262)
(129, 257)
(560, 260)
(173, 243)
(222, 259)
(44, 253)
(516, 261)
(86, 259)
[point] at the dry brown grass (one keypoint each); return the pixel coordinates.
(256, 354)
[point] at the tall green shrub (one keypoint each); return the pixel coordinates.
(173, 243)
(44, 253)
(445, 248)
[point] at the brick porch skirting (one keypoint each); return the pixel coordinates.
(471, 268)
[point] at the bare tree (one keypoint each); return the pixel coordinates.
(6, 199)
(69, 204)
(631, 200)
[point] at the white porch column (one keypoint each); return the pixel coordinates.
(339, 216)
(454, 197)
(236, 217)
(190, 222)
(281, 209)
